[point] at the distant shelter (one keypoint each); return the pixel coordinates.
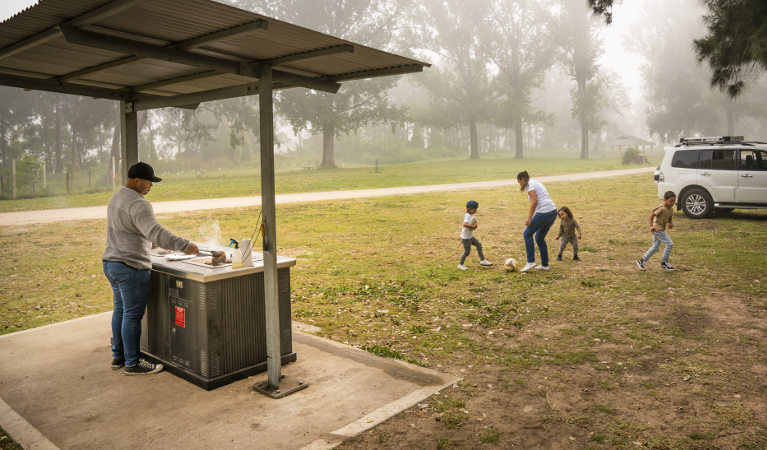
(621, 143)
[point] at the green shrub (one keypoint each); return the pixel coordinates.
(630, 155)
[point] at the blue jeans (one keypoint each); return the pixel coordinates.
(131, 292)
(539, 226)
(659, 237)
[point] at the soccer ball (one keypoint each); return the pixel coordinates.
(511, 265)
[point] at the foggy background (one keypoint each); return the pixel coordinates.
(520, 78)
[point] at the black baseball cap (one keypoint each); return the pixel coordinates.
(144, 171)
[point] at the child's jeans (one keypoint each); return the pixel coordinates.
(467, 243)
(657, 238)
(573, 240)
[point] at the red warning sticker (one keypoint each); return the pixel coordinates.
(180, 317)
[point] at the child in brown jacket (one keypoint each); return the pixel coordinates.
(567, 231)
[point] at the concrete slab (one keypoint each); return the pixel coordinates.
(57, 390)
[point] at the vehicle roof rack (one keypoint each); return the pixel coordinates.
(711, 140)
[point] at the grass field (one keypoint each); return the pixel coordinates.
(245, 182)
(593, 354)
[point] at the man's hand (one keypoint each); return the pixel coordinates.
(579, 236)
(527, 222)
(670, 225)
(652, 229)
(556, 238)
(192, 249)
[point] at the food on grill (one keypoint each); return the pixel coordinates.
(217, 257)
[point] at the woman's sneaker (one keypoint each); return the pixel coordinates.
(485, 262)
(666, 266)
(527, 267)
(143, 367)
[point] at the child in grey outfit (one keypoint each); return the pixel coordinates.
(467, 235)
(567, 231)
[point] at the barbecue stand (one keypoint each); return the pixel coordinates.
(207, 324)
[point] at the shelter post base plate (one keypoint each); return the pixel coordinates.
(288, 385)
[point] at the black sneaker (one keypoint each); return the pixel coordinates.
(117, 363)
(640, 263)
(143, 367)
(666, 266)
(559, 257)
(575, 258)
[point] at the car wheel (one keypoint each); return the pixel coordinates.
(697, 204)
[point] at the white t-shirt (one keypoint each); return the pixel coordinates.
(545, 203)
(467, 233)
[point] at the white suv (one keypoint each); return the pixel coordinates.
(714, 173)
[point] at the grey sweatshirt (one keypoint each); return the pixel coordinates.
(132, 229)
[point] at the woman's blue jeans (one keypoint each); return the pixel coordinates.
(539, 226)
(131, 292)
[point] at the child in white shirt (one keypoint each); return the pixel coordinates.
(467, 236)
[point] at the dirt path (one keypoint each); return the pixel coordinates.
(100, 212)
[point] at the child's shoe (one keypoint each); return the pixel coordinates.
(485, 262)
(462, 267)
(527, 267)
(559, 257)
(666, 266)
(575, 258)
(640, 263)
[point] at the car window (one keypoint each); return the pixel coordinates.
(685, 159)
(753, 160)
(720, 159)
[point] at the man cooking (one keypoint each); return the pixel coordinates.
(131, 231)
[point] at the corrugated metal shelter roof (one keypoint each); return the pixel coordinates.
(174, 52)
(623, 141)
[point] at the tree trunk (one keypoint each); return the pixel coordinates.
(114, 153)
(58, 146)
(473, 144)
(328, 151)
(3, 157)
(141, 118)
(598, 149)
(518, 138)
(74, 164)
(730, 118)
(584, 138)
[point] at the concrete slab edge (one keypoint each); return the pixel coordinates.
(22, 431)
(28, 330)
(376, 417)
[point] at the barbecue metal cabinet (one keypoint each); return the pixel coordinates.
(207, 325)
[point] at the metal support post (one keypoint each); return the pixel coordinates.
(128, 138)
(268, 208)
